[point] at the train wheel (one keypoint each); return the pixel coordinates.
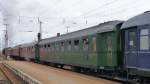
(144, 80)
(76, 69)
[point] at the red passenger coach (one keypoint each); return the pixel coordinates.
(9, 52)
(27, 51)
(23, 51)
(16, 51)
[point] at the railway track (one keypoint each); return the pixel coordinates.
(3, 78)
(7, 77)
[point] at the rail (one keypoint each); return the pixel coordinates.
(22, 75)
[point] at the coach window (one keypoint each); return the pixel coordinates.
(53, 47)
(132, 39)
(57, 46)
(32, 48)
(94, 44)
(69, 46)
(62, 46)
(29, 49)
(49, 45)
(144, 39)
(76, 45)
(85, 44)
(45, 46)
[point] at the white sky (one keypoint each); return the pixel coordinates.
(56, 15)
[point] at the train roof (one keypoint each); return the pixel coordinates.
(8, 48)
(103, 27)
(28, 44)
(141, 19)
(24, 45)
(15, 47)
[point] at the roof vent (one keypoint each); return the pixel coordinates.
(58, 34)
(147, 11)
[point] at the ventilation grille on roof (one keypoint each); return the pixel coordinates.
(147, 11)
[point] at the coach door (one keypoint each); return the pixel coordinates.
(131, 47)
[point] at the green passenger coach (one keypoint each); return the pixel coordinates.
(97, 47)
(109, 48)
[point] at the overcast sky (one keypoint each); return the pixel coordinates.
(58, 15)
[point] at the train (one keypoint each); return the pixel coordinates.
(116, 49)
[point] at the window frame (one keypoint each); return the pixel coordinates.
(69, 45)
(62, 46)
(57, 46)
(142, 28)
(85, 43)
(76, 46)
(135, 39)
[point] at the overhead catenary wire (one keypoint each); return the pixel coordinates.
(101, 6)
(64, 21)
(103, 12)
(63, 18)
(106, 4)
(122, 11)
(108, 13)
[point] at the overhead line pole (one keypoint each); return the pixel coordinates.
(6, 36)
(40, 29)
(6, 39)
(39, 35)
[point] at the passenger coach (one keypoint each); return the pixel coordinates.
(27, 51)
(136, 32)
(96, 47)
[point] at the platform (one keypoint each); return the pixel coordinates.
(49, 75)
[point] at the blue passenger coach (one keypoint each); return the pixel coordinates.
(136, 45)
